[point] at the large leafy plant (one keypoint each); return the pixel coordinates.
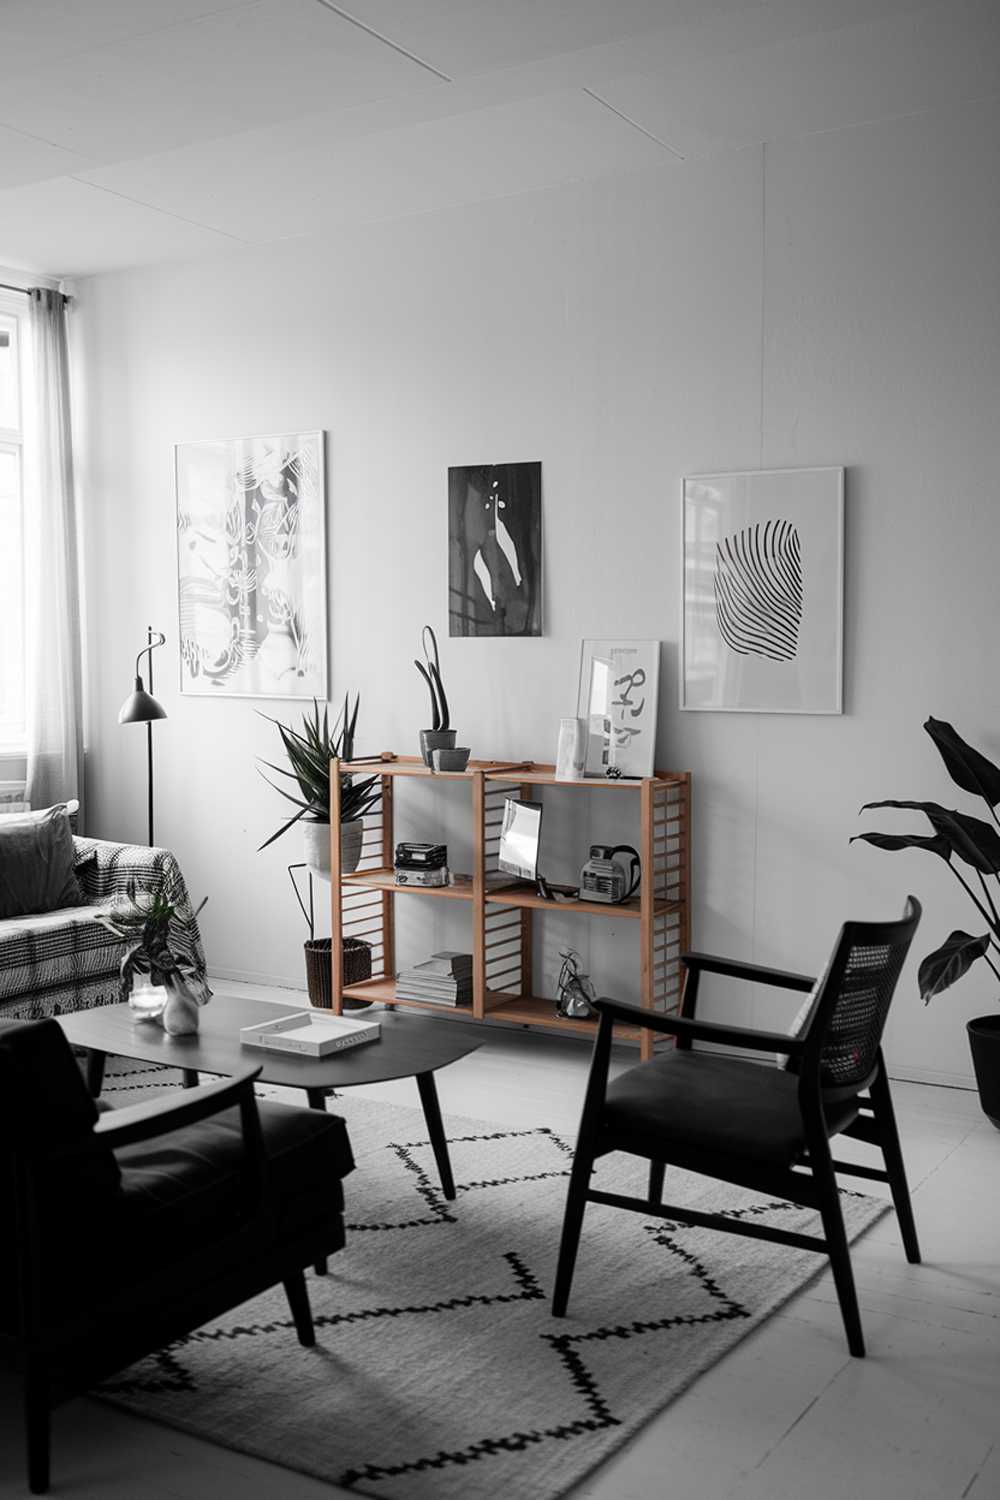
(309, 755)
(961, 841)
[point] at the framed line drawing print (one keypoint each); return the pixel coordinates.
(763, 590)
(251, 566)
(617, 694)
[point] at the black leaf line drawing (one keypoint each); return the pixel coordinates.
(758, 590)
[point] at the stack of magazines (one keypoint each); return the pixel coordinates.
(443, 979)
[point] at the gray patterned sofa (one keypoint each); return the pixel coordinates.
(63, 960)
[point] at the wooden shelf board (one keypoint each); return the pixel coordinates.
(524, 894)
(412, 765)
(513, 1009)
(533, 1010)
(538, 774)
(383, 991)
(385, 880)
(531, 773)
(548, 778)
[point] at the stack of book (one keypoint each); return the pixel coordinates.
(443, 979)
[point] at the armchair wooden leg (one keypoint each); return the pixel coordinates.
(583, 1164)
(839, 1253)
(657, 1169)
(298, 1302)
(317, 1100)
(37, 1422)
(576, 1204)
(885, 1121)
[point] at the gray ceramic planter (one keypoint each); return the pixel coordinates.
(436, 739)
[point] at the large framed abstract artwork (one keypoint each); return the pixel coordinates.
(762, 628)
(251, 566)
(495, 549)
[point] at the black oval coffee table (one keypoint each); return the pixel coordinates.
(409, 1046)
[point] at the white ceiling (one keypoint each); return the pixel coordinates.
(134, 131)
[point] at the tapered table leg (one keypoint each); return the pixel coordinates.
(435, 1129)
(95, 1072)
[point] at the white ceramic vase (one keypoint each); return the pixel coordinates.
(317, 846)
(180, 1014)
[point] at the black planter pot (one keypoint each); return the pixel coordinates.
(984, 1039)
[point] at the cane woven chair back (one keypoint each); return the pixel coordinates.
(853, 1005)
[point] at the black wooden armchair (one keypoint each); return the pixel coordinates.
(764, 1128)
(132, 1227)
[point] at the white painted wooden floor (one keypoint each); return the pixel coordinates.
(787, 1416)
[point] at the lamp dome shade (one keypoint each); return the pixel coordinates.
(140, 707)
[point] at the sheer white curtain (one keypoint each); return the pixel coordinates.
(52, 592)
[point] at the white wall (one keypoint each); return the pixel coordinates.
(831, 301)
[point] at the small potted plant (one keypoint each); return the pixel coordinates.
(158, 984)
(309, 755)
(961, 840)
(437, 744)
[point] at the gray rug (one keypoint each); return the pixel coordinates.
(439, 1373)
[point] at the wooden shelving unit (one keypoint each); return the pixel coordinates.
(502, 910)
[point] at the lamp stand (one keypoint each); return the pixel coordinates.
(141, 707)
(149, 746)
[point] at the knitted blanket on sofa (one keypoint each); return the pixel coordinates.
(63, 960)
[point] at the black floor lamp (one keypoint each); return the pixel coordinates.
(141, 707)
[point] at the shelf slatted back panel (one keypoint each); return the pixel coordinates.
(666, 836)
(365, 911)
(367, 914)
(506, 946)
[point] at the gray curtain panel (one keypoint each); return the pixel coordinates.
(54, 706)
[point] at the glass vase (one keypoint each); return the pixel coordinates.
(146, 999)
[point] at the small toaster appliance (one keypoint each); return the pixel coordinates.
(604, 878)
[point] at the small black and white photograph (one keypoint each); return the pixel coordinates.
(495, 549)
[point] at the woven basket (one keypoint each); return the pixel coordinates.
(319, 970)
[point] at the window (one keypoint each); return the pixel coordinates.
(12, 665)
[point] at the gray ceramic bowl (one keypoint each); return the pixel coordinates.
(450, 760)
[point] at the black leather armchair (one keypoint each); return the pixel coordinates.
(132, 1227)
(763, 1127)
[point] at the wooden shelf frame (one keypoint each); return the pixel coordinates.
(502, 910)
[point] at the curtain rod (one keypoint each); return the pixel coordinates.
(5, 286)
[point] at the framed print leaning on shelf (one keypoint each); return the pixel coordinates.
(763, 590)
(617, 694)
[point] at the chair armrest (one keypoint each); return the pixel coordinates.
(756, 973)
(143, 1122)
(701, 1031)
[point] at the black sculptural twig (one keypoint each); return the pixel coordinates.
(441, 714)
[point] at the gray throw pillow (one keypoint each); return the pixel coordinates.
(36, 863)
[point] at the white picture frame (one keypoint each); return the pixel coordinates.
(622, 732)
(762, 588)
(251, 566)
